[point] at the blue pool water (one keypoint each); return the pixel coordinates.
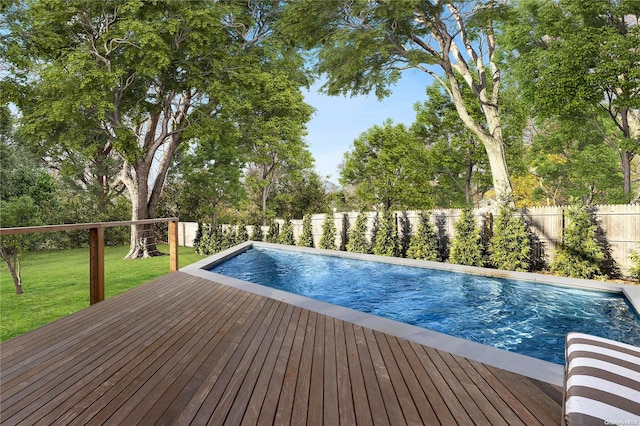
(527, 318)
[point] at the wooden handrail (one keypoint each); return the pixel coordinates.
(79, 226)
(96, 246)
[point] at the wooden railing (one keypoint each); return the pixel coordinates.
(96, 246)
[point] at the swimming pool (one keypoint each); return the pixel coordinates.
(517, 316)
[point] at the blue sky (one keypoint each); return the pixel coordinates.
(338, 121)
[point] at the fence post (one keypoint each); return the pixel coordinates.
(173, 246)
(96, 265)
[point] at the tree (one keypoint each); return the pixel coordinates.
(466, 248)
(579, 60)
(286, 235)
(273, 127)
(455, 155)
(363, 45)
(510, 247)
(386, 242)
(579, 255)
(147, 71)
(27, 197)
(273, 232)
(569, 159)
(209, 170)
(423, 244)
(300, 192)
(241, 234)
(256, 233)
(306, 237)
(328, 239)
(387, 167)
(357, 241)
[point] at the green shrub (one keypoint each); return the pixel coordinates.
(423, 244)
(198, 238)
(256, 233)
(387, 242)
(510, 247)
(374, 230)
(328, 239)
(404, 238)
(213, 240)
(579, 255)
(634, 271)
(242, 234)
(273, 232)
(204, 242)
(286, 235)
(228, 238)
(306, 237)
(357, 241)
(466, 248)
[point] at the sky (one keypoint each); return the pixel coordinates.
(338, 120)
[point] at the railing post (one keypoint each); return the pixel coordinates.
(96, 265)
(173, 246)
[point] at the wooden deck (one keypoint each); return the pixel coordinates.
(182, 350)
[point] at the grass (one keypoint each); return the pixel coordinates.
(56, 284)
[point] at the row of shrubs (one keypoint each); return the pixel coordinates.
(510, 247)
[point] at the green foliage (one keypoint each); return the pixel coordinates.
(242, 234)
(198, 238)
(306, 237)
(362, 46)
(256, 233)
(273, 232)
(634, 271)
(300, 192)
(510, 247)
(580, 255)
(466, 248)
(286, 235)
(205, 238)
(405, 232)
(577, 60)
(208, 175)
(573, 160)
(228, 238)
(387, 166)
(273, 126)
(387, 242)
(423, 244)
(357, 241)
(158, 81)
(328, 239)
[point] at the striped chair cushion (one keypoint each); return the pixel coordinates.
(602, 382)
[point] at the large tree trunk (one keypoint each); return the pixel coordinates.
(137, 176)
(10, 257)
(491, 138)
(143, 242)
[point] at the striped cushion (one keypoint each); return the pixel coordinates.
(602, 382)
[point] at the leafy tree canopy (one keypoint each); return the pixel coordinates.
(387, 166)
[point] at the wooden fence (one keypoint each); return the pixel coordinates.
(618, 226)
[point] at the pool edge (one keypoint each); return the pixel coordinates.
(527, 366)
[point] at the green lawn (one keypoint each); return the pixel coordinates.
(56, 284)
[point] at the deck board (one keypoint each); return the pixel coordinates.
(184, 350)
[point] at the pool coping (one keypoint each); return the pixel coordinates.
(521, 364)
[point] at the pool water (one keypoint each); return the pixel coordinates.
(527, 318)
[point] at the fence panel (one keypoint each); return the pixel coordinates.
(619, 226)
